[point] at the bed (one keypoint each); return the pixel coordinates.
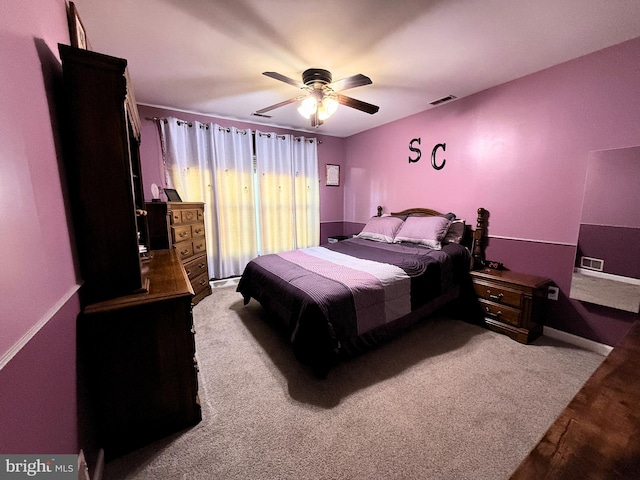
(340, 299)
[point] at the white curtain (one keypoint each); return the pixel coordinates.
(248, 212)
(276, 197)
(187, 152)
(234, 233)
(288, 193)
(307, 192)
(212, 164)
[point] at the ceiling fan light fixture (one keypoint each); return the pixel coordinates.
(308, 107)
(327, 107)
(320, 100)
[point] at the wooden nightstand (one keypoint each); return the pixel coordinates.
(512, 303)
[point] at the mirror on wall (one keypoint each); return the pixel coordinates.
(607, 266)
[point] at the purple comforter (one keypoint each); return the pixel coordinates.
(328, 294)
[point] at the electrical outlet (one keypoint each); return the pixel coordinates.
(552, 293)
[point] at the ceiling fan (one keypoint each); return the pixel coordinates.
(320, 99)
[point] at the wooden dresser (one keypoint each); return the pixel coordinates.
(512, 303)
(137, 379)
(138, 356)
(180, 225)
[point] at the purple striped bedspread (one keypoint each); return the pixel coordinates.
(351, 287)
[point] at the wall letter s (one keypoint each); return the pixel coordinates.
(416, 150)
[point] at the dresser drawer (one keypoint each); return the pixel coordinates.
(197, 230)
(196, 267)
(181, 233)
(498, 294)
(200, 283)
(184, 249)
(176, 217)
(189, 216)
(502, 313)
(199, 246)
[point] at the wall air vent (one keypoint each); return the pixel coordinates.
(256, 114)
(592, 263)
(443, 99)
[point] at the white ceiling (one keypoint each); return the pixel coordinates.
(207, 56)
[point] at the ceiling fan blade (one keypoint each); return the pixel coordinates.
(350, 82)
(357, 104)
(284, 79)
(277, 105)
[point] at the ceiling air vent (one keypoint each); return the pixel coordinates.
(592, 263)
(443, 99)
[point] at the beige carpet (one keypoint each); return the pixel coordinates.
(447, 400)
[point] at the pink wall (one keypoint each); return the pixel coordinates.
(38, 390)
(331, 150)
(519, 150)
(38, 281)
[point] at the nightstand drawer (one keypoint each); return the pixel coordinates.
(501, 313)
(510, 302)
(499, 294)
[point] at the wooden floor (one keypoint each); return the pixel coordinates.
(597, 436)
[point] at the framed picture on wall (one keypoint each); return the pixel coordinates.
(333, 175)
(77, 33)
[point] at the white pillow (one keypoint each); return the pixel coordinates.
(429, 231)
(381, 229)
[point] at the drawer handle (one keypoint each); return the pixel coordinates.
(203, 282)
(201, 266)
(497, 314)
(198, 247)
(198, 231)
(182, 234)
(188, 272)
(493, 296)
(184, 252)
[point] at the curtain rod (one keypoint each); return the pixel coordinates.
(190, 124)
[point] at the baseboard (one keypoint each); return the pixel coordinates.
(581, 342)
(227, 282)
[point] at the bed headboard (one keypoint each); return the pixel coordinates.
(476, 239)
